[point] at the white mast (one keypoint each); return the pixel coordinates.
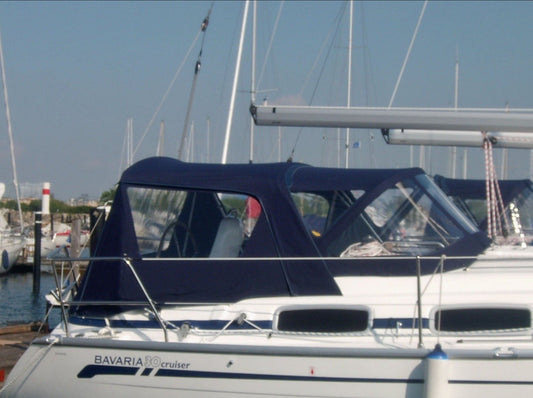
(235, 82)
(505, 154)
(190, 151)
(456, 97)
(349, 103)
(254, 21)
(10, 133)
(129, 143)
(465, 163)
(161, 143)
(208, 156)
(338, 147)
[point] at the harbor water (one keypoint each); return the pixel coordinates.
(19, 304)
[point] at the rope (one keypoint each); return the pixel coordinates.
(493, 204)
(503, 217)
(487, 185)
(488, 180)
(202, 30)
(31, 362)
(497, 222)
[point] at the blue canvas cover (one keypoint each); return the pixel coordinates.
(466, 189)
(280, 232)
(476, 189)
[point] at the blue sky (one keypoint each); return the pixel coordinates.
(77, 71)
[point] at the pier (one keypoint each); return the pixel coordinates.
(14, 340)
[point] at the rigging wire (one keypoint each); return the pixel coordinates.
(165, 95)
(267, 54)
(369, 83)
(408, 52)
(10, 134)
(335, 27)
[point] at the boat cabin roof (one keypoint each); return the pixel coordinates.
(212, 232)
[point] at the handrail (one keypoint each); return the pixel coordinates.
(63, 304)
(65, 301)
(419, 302)
(148, 298)
(59, 286)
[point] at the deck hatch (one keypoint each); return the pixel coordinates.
(323, 320)
(474, 319)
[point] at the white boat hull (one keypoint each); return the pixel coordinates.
(126, 369)
(10, 250)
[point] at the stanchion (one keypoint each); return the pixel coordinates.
(37, 252)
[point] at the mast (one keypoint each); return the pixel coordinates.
(189, 106)
(190, 149)
(129, 142)
(279, 144)
(235, 82)
(10, 133)
(347, 146)
(505, 154)
(197, 68)
(254, 22)
(456, 97)
(208, 156)
(465, 163)
(161, 143)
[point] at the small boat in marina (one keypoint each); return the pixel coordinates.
(11, 246)
(12, 243)
(351, 282)
(60, 238)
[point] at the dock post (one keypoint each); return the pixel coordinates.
(75, 235)
(37, 252)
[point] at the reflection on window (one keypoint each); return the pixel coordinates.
(412, 217)
(314, 211)
(524, 205)
(320, 211)
(518, 216)
(152, 211)
(403, 220)
(476, 209)
(178, 223)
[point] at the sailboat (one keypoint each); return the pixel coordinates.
(351, 282)
(12, 243)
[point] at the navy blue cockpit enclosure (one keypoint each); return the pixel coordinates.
(471, 197)
(192, 235)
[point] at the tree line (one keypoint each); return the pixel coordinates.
(56, 206)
